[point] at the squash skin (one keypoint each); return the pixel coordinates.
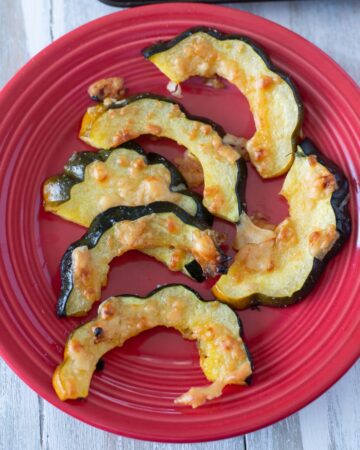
(240, 186)
(107, 220)
(241, 176)
(149, 95)
(164, 46)
(188, 288)
(339, 204)
(74, 172)
(223, 315)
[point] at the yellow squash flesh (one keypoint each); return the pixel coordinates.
(277, 266)
(90, 266)
(124, 178)
(272, 99)
(146, 115)
(223, 356)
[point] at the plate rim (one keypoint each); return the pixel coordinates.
(348, 347)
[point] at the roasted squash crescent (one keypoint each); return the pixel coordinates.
(280, 267)
(273, 98)
(216, 328)
(224, 169)
(93, 182)
(85, 265)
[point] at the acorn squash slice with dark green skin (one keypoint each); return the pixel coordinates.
(223, 355)
(284, 266)
(273, 98)
(95, 181)
(224, 169)
(85, 265)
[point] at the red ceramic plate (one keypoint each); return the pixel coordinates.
(298, 352)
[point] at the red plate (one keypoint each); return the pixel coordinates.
(298, 352)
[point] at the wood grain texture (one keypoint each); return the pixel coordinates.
(13, 53)
(69, 14)
(19, 413)
(36, 19)
(332, 25)
(284, 435)
(336, 414)
(332, 421)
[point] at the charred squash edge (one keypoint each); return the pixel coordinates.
(163, 46)
(241, 165)
(339, 203)
(74, 173)
(109, 218)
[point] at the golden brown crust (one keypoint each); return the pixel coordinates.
(190, 169)
(321, 241)
(112, 88)
(215, 327)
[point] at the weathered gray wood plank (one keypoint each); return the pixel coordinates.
(284, 435)
(336, 414)
(330, 422)
(332, 25)
(13, 53)
(69, 14)
(61, 431)
(36, 15)
(19, 413)
(227, 444)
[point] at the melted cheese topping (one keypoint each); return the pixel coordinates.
(197, 396)
(191, 170)
(167, 120)
(123, 179)
(176, 259)
(238, 143)
(112, 88)
(99, 170)
(247, 232)
(203, 247)
(91, 266)
(321, 241)
(256, 258)
(276, 263)
(271, 99)
(223, 357)
(214, 82)
(174, 89)
(84, 273)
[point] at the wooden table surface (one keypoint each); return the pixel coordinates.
(29, 423)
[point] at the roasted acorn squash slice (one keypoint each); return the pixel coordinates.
(85, 265)
(223, 356)
(93, 182)
(273, 98)
(280, 267)
(224, 169)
